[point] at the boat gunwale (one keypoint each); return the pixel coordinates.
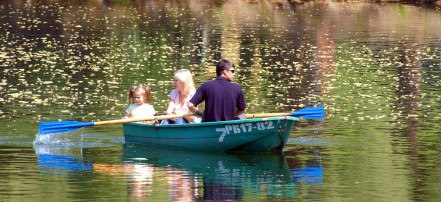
(217, 123)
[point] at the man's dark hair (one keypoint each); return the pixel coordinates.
(222, 65)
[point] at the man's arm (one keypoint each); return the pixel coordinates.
(197, 98)
(192, 108)
(240, 112)
(241, 104)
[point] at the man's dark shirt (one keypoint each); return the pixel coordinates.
(222, 99)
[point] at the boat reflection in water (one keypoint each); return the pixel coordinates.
(196, 175)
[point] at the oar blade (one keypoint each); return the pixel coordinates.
(52, 127)
(311, 113)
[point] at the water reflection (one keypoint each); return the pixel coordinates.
(210, 175)
(62, 159)
(140, 178)
(308, 174)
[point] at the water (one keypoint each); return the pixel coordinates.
(375, 67)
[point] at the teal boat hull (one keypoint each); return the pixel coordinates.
(259, 134)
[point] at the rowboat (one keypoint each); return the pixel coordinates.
(257, 134)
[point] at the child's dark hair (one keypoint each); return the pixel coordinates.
(145, 90)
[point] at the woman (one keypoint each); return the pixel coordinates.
(179, 97)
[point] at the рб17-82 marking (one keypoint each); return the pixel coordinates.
(243, 128)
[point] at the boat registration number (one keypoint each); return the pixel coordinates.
(244, 128)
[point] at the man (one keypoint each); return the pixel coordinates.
(223, 100)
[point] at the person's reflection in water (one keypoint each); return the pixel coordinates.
(140, 178)
(220, 192)
(182, 186)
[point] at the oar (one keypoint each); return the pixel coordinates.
(67, 126)
(306, 113)
(51, 127)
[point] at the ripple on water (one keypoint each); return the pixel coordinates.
(309, 141)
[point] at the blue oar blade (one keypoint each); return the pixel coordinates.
(310, 113)
(52, 127)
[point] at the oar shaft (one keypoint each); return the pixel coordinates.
(67, 126)
(250, 116)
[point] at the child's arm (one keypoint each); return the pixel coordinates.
(128, 113)
(127, 116)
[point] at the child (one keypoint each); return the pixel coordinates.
(140, 108)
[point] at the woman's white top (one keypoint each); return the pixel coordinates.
(174, 95)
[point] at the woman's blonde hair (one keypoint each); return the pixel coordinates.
(144, 90)
(187, 79)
